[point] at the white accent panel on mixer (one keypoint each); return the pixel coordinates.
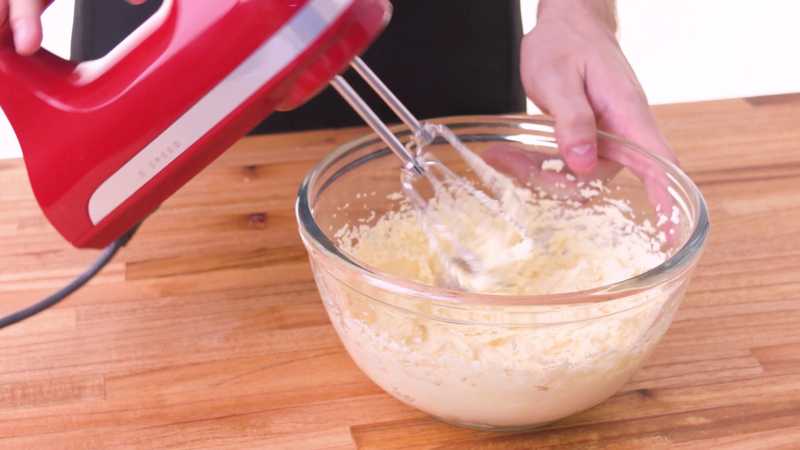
(258, 69)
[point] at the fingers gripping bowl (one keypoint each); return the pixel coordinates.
(515, 358)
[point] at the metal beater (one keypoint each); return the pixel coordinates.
(464, 268)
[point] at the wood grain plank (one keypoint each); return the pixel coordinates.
(207, 332)
(31, 394)
(779, 359)
(780, 439)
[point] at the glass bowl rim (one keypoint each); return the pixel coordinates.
(670, 269)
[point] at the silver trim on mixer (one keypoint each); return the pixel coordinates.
(257, 70)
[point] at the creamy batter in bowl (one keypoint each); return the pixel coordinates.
(534, 351)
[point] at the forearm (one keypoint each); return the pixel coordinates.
(604, 11)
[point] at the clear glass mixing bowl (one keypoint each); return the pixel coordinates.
(496, 361)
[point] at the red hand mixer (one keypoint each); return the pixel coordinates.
(106, 141)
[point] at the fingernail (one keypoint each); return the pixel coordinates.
(582, 159)
(581, 150)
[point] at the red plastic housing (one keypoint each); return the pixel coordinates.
(105, 142)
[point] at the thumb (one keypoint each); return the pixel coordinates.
(563, 96)
(23, 16)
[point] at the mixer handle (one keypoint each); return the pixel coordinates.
(44, 75)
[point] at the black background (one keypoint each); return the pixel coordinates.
(440, 57)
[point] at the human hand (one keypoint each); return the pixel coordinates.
(24, 19)
(573, 68)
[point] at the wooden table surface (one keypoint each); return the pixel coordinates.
(208, 332)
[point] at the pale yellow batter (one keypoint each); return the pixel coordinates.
(495, 366)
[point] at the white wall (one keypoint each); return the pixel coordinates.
(682, 50)
(58, 27)
(690, 50)
(687, 50)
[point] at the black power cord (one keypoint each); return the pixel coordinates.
(105, 257)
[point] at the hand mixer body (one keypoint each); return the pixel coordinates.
(105, 142)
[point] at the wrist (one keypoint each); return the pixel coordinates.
(602, 12)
